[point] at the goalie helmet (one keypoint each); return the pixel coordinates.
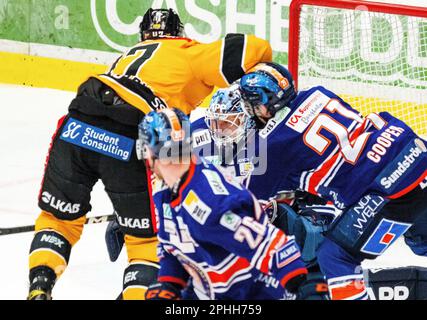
(158, 23)
(267, 84)
(166, 133)
(225, 117)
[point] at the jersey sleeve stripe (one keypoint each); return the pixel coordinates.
(412, 186)
(176, 280)
(351, 290)
(230, 272)
(277, 241)
(291, 275)
(232, 58)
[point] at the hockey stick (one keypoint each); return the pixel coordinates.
(21, 229)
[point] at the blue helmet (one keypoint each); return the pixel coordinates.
(166, 133)
(268, 84)
(226, 118)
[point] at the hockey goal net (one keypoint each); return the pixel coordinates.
(373, 55)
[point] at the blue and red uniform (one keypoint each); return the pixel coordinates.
(214, 233)
(370, 167)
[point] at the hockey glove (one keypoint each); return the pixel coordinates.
(163, 291)
(114, 239)
(313, 288)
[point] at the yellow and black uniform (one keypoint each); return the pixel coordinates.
(182, 72)
(96, 141)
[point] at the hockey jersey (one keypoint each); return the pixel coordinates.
(215, 233)
(182, 72)
(321, 145)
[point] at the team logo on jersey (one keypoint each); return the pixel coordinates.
(215, 182)
(230, 220)
(384, 235)
(97, 140)
(199, 210)
(402, 165)
(307, 111)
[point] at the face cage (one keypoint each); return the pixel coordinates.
(215, 121)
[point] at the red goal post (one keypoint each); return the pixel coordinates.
(373, 54)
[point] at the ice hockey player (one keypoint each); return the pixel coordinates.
(228, 137)
(212, 230)
(370, 167)
(95, 141)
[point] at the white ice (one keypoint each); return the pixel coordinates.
(27, 122)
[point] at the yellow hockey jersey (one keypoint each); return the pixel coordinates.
(182, 72)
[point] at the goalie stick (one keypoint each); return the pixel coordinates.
(28, 228)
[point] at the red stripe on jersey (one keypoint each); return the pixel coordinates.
(409, 188)
(228, 273)
(318, 175)
(176, 280)
(349, 290)
(279, 239)
(58, 127)
(150, 194)
(291, 275)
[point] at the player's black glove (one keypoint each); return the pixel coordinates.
(313, 288)
(114, 239)
(163, 291)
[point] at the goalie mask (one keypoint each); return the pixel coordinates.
(158, 23)
(225, 117)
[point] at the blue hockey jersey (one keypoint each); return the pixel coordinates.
(215, 234)
(322, 145)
